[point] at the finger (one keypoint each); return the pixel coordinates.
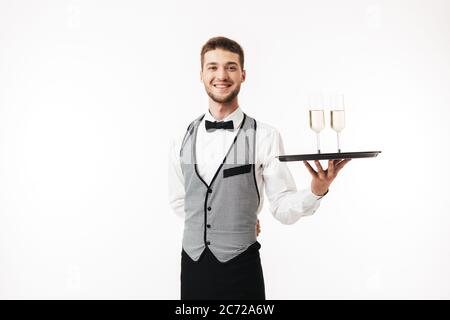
(319, 168)
(310, 169)
(336, 163)
(341, 165)
(335, 169)
(344, 162)
(331, 166)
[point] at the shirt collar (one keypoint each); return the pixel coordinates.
(236, 116)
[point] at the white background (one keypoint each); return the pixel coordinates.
(90, 92)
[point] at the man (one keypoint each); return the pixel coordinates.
(217, 173)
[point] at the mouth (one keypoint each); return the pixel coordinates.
(222, 86)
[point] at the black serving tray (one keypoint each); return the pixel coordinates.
(329, 156)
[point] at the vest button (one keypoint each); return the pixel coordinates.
(209, 190)
(208, 226)
(208, 243)
(209, 208)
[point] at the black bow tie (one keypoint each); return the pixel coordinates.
(218, 125)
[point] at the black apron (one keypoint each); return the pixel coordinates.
(240, 278)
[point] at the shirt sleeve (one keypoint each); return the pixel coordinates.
(176, 179)
(286, 203)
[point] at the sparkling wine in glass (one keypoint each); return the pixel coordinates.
(337, 117)
(316, 116)
(317, 123)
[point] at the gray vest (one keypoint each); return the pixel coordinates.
(221, 215)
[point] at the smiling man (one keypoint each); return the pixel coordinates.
(217, 174)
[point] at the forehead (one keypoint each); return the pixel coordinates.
(220, 56)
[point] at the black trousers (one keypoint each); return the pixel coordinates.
(240, 278)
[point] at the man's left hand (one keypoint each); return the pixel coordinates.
(321, 179)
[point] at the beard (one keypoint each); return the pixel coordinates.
(224, 99)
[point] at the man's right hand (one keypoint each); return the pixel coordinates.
(258, 228)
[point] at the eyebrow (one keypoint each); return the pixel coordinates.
(215, 63)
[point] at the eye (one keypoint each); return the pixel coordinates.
(232, 68)
(212, 68)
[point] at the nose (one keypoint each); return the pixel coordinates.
(221, 74)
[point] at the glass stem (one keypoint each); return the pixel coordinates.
(338, 144)
(318, 143)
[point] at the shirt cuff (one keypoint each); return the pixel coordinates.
(316, 197)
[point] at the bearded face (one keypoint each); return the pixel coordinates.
(222, 75)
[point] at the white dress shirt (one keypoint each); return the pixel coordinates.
(286, 203)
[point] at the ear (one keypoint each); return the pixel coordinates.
(201, 76)
(244, 74)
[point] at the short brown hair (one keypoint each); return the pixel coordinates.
(225, 44)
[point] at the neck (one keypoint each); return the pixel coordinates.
(221, 110)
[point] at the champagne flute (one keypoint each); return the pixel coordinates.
(337, 116)
(316, 117)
